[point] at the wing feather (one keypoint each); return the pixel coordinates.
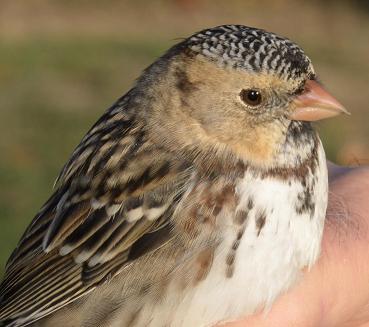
(88, 231)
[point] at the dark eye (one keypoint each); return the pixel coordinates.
(251, 97)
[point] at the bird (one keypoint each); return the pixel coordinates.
(197, 198)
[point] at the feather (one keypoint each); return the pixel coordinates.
(85, 232)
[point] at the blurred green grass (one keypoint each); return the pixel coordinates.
(62, 68)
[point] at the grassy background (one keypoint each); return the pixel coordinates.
(63, 62)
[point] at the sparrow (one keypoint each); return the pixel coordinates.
(197, 198)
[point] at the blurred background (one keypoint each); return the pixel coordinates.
(62, 63)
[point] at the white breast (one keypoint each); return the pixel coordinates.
(266, 264)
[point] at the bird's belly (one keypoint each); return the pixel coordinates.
(273, 233)
(259, 257)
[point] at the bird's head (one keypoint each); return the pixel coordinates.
(236, 89)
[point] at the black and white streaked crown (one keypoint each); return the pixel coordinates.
(250, 48)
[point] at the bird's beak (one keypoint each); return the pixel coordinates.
(315, 103)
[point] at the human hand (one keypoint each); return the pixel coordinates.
(336, 290)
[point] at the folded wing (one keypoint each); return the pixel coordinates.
(114, 203)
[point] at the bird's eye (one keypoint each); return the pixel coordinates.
(251, 97)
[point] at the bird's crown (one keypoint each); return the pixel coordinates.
(250, 48)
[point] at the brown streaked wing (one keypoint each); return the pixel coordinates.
(82, 235)
(99, 246)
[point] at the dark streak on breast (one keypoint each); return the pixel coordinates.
(250, 204)
(306, 203)
(260, 222)
(241, 217)
(231, 256)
